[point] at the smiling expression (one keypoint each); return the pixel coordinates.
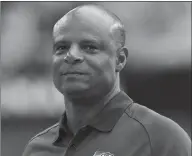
(84, 54)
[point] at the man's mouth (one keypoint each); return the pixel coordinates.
(74, 73)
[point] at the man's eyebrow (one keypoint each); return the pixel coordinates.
(91, 41)
(61, 42)
(99, 43)
(60, 39)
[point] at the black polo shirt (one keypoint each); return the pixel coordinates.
(122, 128)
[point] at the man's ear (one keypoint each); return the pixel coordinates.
(121, 60)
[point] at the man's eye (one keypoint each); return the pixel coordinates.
(89, 47)
(62, 48)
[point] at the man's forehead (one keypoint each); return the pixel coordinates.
(88, 37)
(92, 12)
(88, 15)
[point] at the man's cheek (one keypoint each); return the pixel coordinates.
(54, 59)
(55, 70)
(99, 63)
(57, 61)
(56, 64)
(106, 65)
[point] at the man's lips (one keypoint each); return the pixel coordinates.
(74, 73)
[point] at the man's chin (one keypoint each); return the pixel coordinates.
(75, 90)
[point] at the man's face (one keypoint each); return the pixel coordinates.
(89, 66)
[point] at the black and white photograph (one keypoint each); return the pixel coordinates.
(95, 78)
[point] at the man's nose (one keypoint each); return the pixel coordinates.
(73, 56)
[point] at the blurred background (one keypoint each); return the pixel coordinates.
(157, 74)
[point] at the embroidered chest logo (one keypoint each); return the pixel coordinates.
(100, 153)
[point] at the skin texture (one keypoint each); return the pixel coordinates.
(88, 55)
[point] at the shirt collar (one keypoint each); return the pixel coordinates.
(107, 118)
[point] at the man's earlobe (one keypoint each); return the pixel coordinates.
(121, 59)
(119, 67)
(125, 51)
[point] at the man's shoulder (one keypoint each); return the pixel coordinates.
(162, 132)
(41, 139)
(149, 118)
(52, 130)
(153, 121)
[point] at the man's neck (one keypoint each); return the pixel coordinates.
(79, 114)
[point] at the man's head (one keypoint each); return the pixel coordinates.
(88, 51)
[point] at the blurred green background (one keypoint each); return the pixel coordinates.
(157, 74)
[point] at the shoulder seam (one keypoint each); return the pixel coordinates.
(143, 128)
(43, 132)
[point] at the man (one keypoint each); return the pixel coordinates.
(99, 119)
